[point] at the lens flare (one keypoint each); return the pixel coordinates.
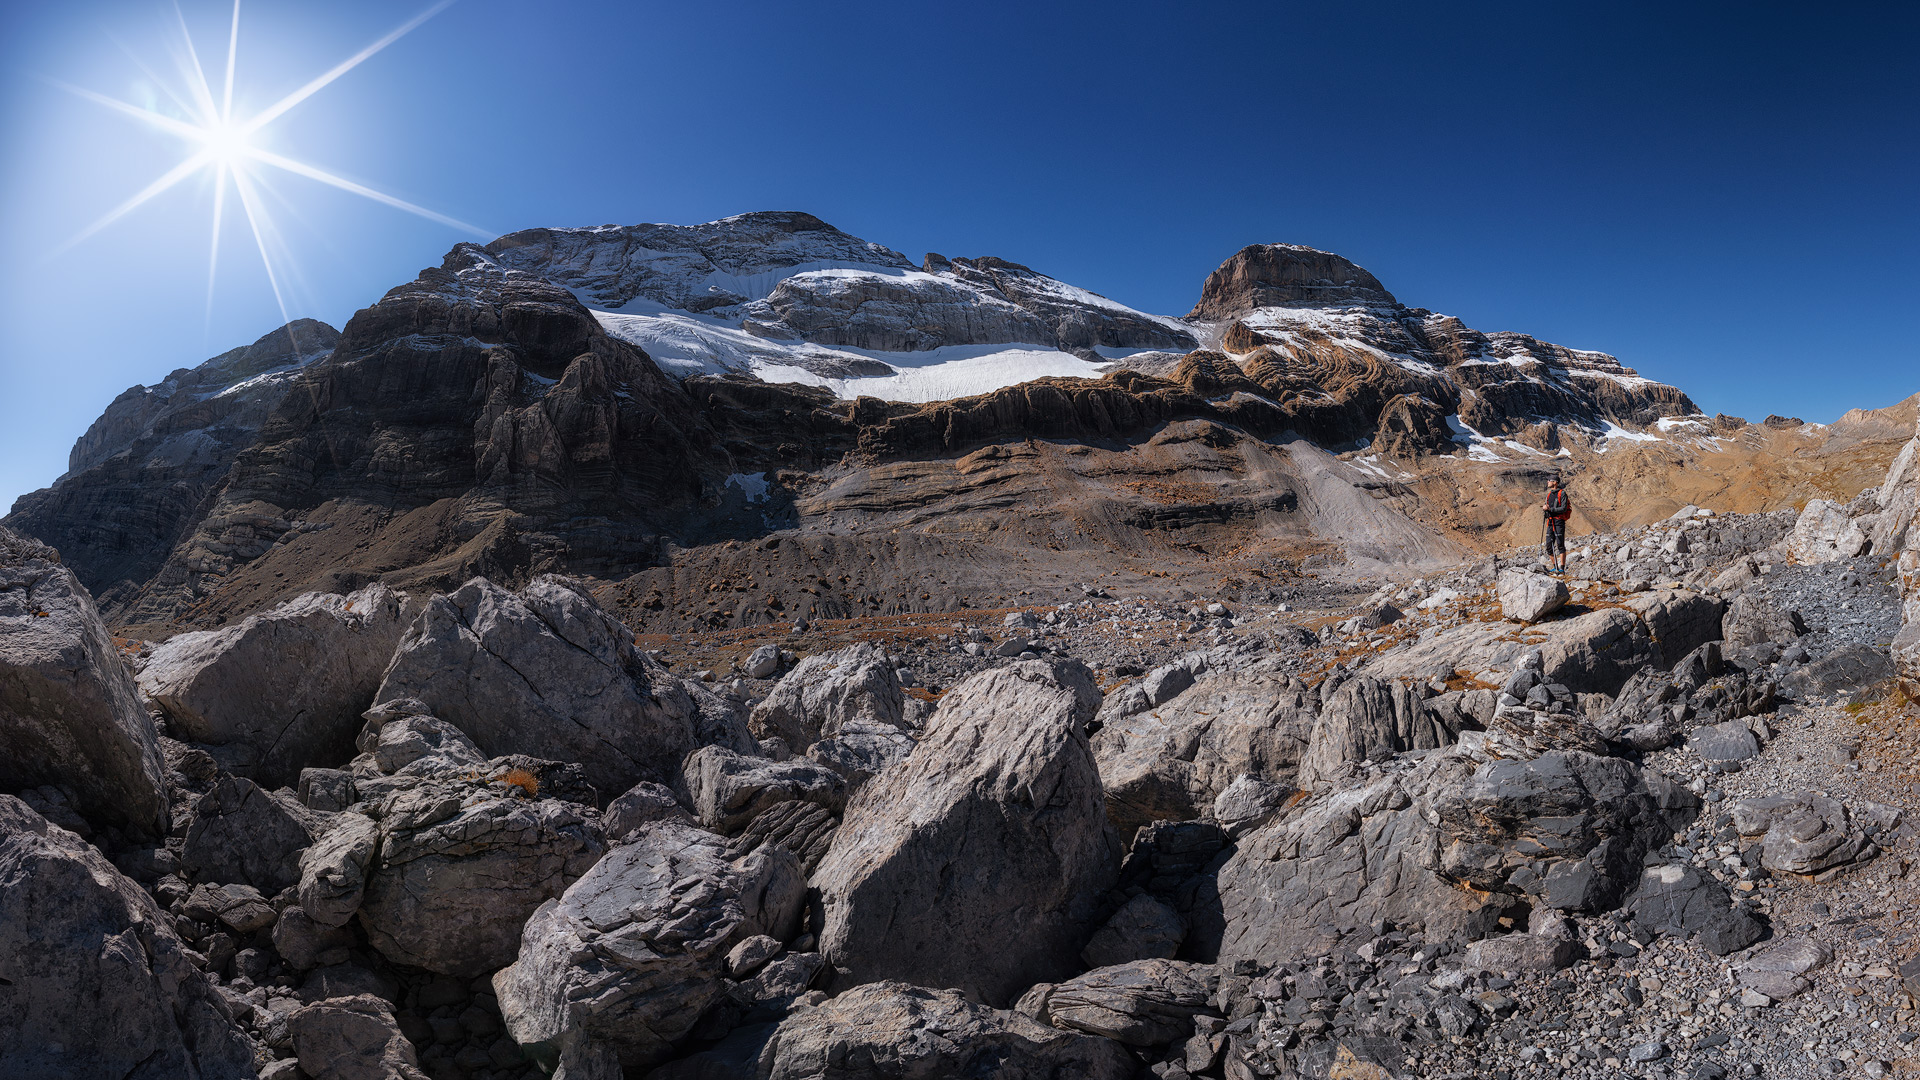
(229, 149)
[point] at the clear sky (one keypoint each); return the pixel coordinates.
(1723, 195)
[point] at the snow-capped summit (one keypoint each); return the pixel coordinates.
(786, 297)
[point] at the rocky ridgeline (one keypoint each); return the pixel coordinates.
(482, 419)
(1488, 823)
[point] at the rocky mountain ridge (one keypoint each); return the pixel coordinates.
(496, 416)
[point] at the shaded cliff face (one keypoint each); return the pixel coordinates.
(144, 472)
(457, 422)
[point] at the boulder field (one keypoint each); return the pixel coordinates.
(1471, 824)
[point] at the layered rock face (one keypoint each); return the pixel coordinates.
(1281, 275)
(475, 384)
(70, 715)
(1323, 339)
(1001, 799)
(893, 1031)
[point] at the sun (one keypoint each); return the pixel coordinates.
(229, 147)
(226, 143)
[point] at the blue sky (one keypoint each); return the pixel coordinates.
(1721, 195)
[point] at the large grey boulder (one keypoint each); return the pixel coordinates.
(622, 965)
(1753, 619)
(1172, 762)
(897, 1031)
(1529, 597)
(1824, 533)
(1678, 620)
(1802, 832)
(242, 834)
(1776, 969)
(728, 790)
(643, 804)
(546, 672)
(1546, 945)
(978, 861)
(1731, 741)
(1145, 928)
(1339, 860)
(93, 982)
(333, 872)
(1598, 652)
(826, 692)
(282, 690)
(1368, 718)
(70, 715)
(456, 873)
(306, 944)
(1566, 830)
(1570, 829)
(1143, 1003)
(1846, 671)
(1681, 901)
(352, 1038)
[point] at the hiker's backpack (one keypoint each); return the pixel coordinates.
(1557, 504)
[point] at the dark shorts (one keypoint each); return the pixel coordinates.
(1556, 536)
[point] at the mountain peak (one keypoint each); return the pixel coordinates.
(1283, 275)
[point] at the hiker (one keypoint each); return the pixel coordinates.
(1558, 509)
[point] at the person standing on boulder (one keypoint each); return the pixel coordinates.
(1558, 509)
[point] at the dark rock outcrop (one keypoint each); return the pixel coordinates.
(1280, 275)
(70, 715)
(93, 981)
(140, 477)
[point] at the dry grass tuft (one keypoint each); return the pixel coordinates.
(523, 780)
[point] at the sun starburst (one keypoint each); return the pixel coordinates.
(229, 147)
